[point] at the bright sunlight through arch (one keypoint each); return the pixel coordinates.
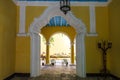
(61, 44)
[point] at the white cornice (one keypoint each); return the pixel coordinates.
(23, 34)
(47, 3)
(91, 34)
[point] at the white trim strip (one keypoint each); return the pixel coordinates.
(92, 19)
(22, 19)
(91, 34)
(23, 34)
(48, 3)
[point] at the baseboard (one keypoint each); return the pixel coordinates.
(93, 74)
(17, 75)
(10, 77)
(115, 77)
(22, 74)
(96, 75)
(88, 75)
(101, 75)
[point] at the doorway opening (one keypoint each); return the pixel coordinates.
(60, 55)
(35, 30)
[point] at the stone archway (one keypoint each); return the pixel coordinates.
(40, 22)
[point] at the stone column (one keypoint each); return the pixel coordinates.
(72, 53)
(80, 55)
(47, 52)
(35, 55)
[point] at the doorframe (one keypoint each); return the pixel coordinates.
(35, 30)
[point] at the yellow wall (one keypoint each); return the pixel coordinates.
(23, 43)
(22, 55)
(32, 13)
(83, 14)
(21, 63)
(114, 23)
(93, 54)
(7, 38)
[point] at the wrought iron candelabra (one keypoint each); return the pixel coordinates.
(104, 46)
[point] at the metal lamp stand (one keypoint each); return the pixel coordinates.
(104, 46)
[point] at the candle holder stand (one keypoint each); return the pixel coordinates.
(104, 46)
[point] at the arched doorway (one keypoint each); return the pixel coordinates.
(60, 48)
(35, 40)
(61, 56)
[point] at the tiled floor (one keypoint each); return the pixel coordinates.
(58, 69)
(59, 72)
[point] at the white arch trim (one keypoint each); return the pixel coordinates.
(40, 22)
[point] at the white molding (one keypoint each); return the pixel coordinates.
(55, 11)
(92, 34)
(92, 19)
(80, 55)
(49, 3)
(79, 26)
(22, 16)
(23, 34)
(35, 55)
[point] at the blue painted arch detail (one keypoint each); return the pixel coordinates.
(57, 21)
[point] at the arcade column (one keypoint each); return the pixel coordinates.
(72, 53)
(47, 52)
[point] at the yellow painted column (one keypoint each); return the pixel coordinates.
(72, 53)
(47, 53)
